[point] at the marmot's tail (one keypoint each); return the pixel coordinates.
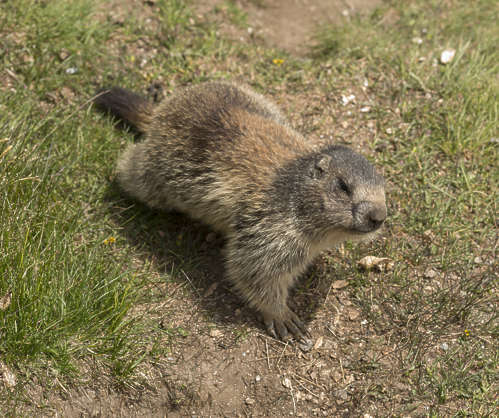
(130, 107)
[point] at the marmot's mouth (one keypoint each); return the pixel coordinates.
(368, 216)
(360, 235)
(370, 228)
(355, 234)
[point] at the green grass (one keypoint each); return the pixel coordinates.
(70, 291)
(76, 294)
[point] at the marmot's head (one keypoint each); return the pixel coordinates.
(336, 193)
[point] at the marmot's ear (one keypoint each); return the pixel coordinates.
(320, 166)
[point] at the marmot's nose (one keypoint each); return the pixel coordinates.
(368, 216)
(376, 217)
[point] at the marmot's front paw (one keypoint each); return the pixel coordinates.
(285, 326)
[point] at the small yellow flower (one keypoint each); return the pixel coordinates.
(467, 332)
(278, 61)
(109, 241)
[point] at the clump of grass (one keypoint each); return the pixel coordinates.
(63, 286)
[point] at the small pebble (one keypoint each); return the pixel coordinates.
(447, 55)
(286, 382)
(444, 346)
(318, 343)
(305, 345)
(215, 333)
(430, 274)
(347, 99)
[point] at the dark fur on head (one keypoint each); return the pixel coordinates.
(340, 186)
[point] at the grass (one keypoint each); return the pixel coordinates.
(75, 254)
(68, 300)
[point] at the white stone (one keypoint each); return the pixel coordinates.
(447, 55)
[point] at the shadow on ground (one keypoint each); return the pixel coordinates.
(187, 252)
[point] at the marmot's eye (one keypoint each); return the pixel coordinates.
(343, 186)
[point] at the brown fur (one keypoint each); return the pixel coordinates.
(223, 154)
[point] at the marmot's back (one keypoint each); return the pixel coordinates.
(206, 149)
(225, 125)
(224, 155)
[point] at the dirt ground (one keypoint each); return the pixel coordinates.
(290, 24)
(226, 366)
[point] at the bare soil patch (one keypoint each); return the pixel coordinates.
(290, 24)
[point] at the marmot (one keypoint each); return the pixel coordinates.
(221, 153)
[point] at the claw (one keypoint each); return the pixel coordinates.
(269, 325)
(286, 327)
(294, 329)
(282, 330)
(300, 325)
